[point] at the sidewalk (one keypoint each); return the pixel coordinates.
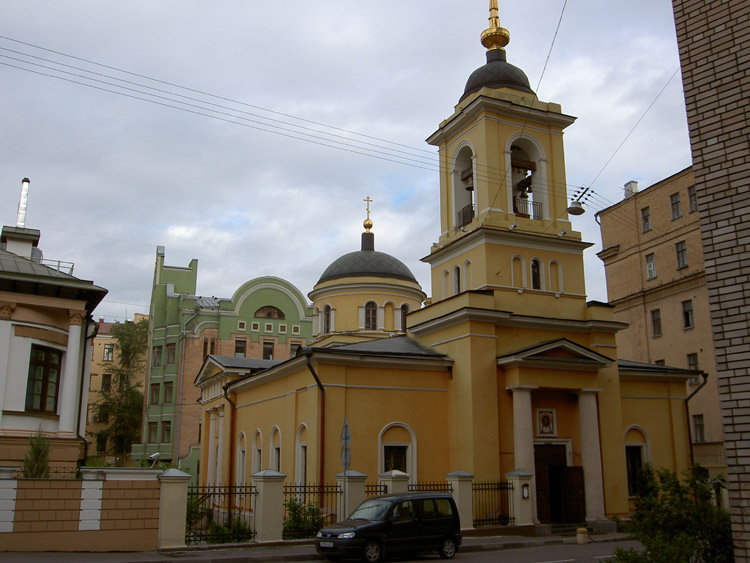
(283, 551)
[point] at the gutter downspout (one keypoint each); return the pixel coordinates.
(321, 454)
(704, 375)
(80, 392)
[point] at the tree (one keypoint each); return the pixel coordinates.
(121, 405)
(36, 459)
(677, 521)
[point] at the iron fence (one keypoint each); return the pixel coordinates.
(220, 514)
(492, 503)
(431, 487)
(309, 507)
(375, 489)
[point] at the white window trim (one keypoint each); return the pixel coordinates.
(411, 450)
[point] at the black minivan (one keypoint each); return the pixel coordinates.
(395, 523)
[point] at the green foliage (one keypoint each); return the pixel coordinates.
(236, 532)
(95, 461)
(302, 520)
(195, 510)
(677, 521)
(122, 404)
(36, 459)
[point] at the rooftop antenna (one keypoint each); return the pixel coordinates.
(22, 202)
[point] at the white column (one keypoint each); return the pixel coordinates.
(523, 437)
(591, 458)
(211, 469)
(220, 452)
(67, 400)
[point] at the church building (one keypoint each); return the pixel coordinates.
(505, 372)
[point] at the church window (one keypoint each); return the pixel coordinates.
(327, 319)
(394, 457)
(269, 312)
(257, 452)
(536, 275)
(241, 458)
(276, 450)
(404, 312)
(634, 461)
(44, 379)
(371, 316)
(456, 280)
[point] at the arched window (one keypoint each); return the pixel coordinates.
(371, 316)
(397, 445)
(637, 456)
(536, 275)
(456, 280)
(276, 449)
(404, 312)
(467, 275)
(269, 312)
(446, 283)
(257, 452)
(327, 319)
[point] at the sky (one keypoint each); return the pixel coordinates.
(247, 134)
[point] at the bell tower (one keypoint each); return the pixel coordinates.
(503, 199)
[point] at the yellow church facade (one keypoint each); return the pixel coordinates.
(506, 372)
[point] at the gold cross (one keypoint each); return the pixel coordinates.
(369, 201)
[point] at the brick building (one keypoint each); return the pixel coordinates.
(653, 258)
(714, 42)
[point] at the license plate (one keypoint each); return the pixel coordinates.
(326, 544)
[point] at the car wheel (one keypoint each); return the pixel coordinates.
(447, 548)
(372, 552)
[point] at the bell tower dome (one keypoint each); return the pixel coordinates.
(503, 197)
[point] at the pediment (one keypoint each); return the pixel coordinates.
(556, 354)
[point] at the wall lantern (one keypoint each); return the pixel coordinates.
(525, 491)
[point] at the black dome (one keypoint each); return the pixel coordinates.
(367, 263)
(497, 73)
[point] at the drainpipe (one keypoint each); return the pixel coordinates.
(704, 375)
(308, 355)
(80, 393)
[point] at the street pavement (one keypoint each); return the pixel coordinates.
(281, 551)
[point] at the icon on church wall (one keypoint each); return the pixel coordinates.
(546, 422)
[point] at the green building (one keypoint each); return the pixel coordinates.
(266, 318)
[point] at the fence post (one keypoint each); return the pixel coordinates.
(523, 498)
(172, 508)
(353, 488)
(395, 481)
(462, 483)
(269, 505)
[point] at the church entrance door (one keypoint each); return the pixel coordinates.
(559, 488)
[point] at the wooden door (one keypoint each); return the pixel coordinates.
(574, 503)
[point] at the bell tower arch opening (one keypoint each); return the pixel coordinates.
(527, 165)
(464, 184)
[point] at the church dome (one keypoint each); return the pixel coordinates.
(497, 73)
(367, 262)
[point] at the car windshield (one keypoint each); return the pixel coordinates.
(373, 509)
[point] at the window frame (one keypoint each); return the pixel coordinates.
(109, 353)
(266, 344)
(699, 429)
(656, 328)
(688, 316)
(153, 432)
(171, 353)
(240, 347)
(692, 199)
(675, 205)
(156, 356)
(371, 315)
(153, 393)
(46, 364)
(682, 255)
(646, 219)
(651, 266)
(166, 431)
(168, 392)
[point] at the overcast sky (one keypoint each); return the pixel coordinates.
(234, 181)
